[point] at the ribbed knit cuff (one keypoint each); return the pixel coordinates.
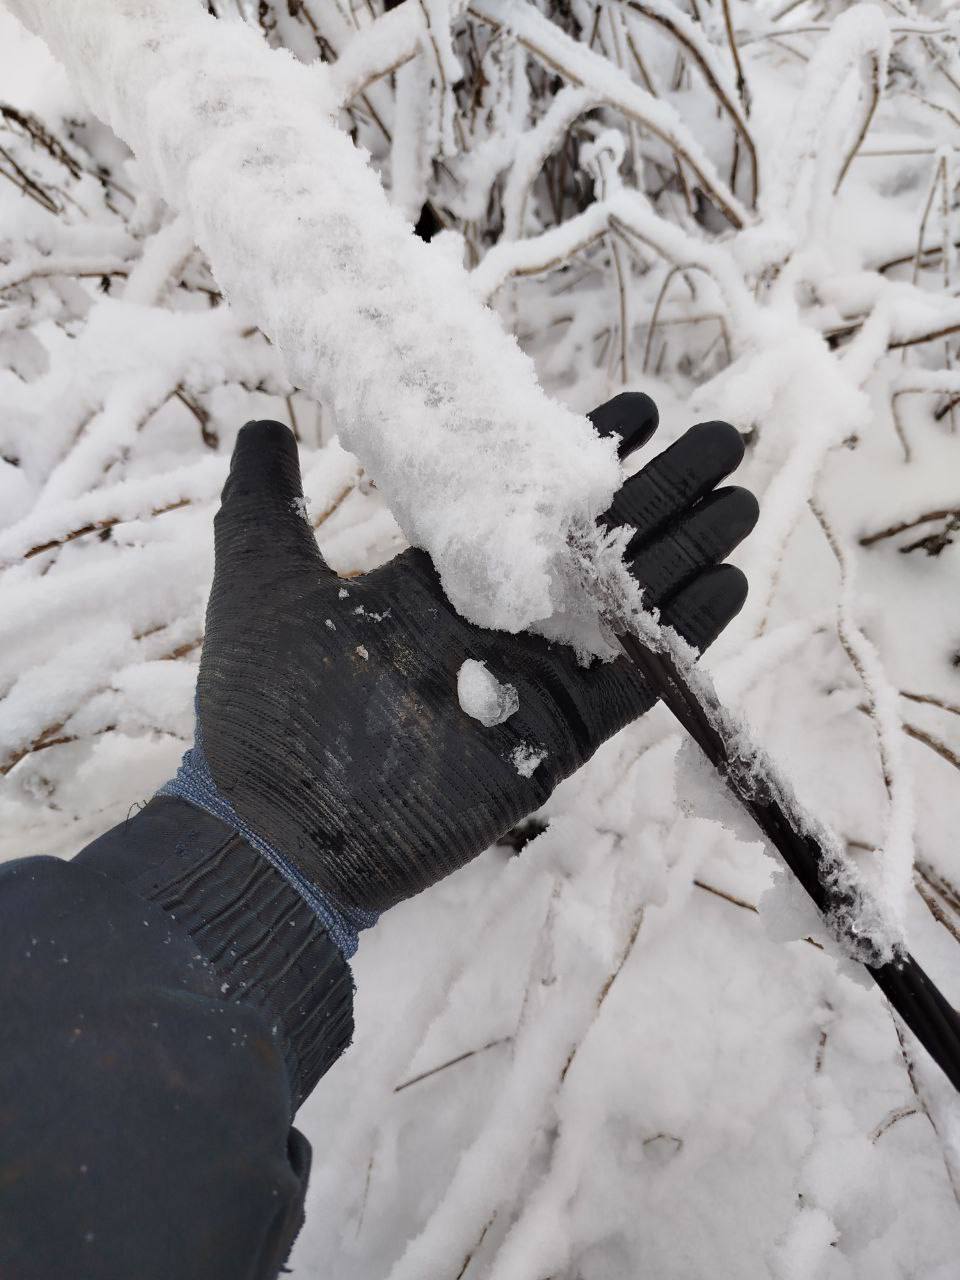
(247, 921)
(194, 782)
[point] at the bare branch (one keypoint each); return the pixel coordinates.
(451, 1062)
(869, 110)
(41, 268)
(101, 526)
(868, 539)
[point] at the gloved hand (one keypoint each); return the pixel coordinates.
(329, 728)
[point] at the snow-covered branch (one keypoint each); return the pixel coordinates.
(244, 143)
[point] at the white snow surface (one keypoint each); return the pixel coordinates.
(482, 696)
(651, 1072)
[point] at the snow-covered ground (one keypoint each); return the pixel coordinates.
(734, 1106)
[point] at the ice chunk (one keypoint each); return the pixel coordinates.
(482, 696)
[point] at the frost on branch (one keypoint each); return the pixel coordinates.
(622, 1057)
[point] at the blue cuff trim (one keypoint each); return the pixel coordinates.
(194, 783)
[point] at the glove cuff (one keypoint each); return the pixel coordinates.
(195, 783)
(266, 946)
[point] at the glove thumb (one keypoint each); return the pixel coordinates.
(262, 522)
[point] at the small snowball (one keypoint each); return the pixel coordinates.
(362, 650)
(526, 759)
(331, 624)
(343, 593)
(482, 696)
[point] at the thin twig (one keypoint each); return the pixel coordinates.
(848, 636)
(868, 539)
(918, 339)
(742, 902)
(51, 738)
(468, 1258)
(935, 909)
(742, 88)
(202, 415)
(928, 740)
(901, 1113)
(874, 89)
(23, 182)
(727, 897)
(932, 701)
(898, 424)
(78, 268)
(366, 1193)
(941, 885)
(335, 503)
(822, 1039)
(922, 1105)
(625, 953)
(100, 526)
(620, 272)
(293, 417)
(451, 1062)
(655, 314)
(934, 251)
(918, 253)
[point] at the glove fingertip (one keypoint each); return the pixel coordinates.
(262, 516)
(261, 440)
(265, 460)
(631, 415)
(720, 445)
(707, 606)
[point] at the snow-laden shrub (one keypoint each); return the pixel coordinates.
(593, 1059)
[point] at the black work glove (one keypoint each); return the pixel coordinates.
(328, 708)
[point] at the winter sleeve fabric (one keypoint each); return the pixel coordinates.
(166, 1002)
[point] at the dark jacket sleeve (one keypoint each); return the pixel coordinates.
(166, 1001)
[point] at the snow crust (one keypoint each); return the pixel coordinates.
(483, 696)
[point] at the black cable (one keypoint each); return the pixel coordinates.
(910, 991)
